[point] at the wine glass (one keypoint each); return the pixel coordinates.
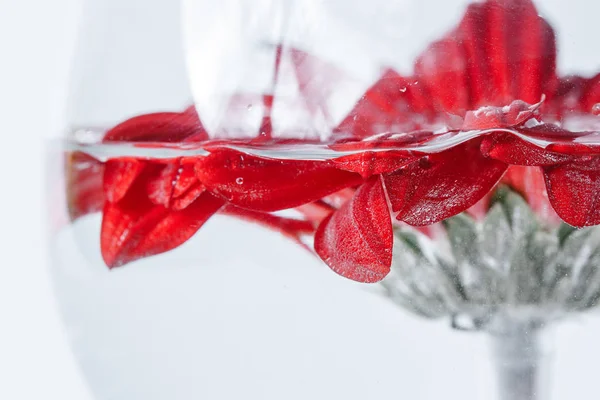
(317, 199)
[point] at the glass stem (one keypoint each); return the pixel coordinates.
(521, 355)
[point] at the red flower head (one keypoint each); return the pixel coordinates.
(483, 100)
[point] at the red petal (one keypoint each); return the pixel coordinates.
(265, 184)
(508, 148)
(84, 176)
(533, 54)
(442, 68)
(501, 51)
(478, 210)
(292, 228)
(407, 139)
(119, 175)
(490, 117)
(316, 211)
(160, 187)
(370, 163)
(340, 198)
(356, 241)
(187, 198)
(159, 127)
(574, 148)
(552, 133)
(530, 183)
(562, 140)
(186, 178)
(173, 181)
(574, 191)
(442, 184)
(165, 127)
(568, 96)
(135, 228)
(521, 52)
(481, 21)
(591, 96)
(393, 104)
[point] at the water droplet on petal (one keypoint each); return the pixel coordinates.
(596, 109)
(249, 107)
(239, 180)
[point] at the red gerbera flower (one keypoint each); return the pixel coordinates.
(483, 100)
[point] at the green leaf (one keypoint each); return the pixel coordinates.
(574, 257)
(464, 240)
(530, 259)
(496, 243)
(586, 291)
(564, 231)
(420, 280)
(519, 215)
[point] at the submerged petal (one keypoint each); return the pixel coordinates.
(134, 227)
(267, 184)
(511, 149)
(356, 240)
(174, 179)
(442, 184)
(574, 191)
(119, 175)
(529, 182)
(84, 184)
(369, 163)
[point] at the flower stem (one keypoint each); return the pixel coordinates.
(521, 354)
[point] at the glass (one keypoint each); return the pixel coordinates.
(440, 157)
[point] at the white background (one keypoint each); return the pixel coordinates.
(36, 41)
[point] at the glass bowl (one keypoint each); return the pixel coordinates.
(308, 199)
